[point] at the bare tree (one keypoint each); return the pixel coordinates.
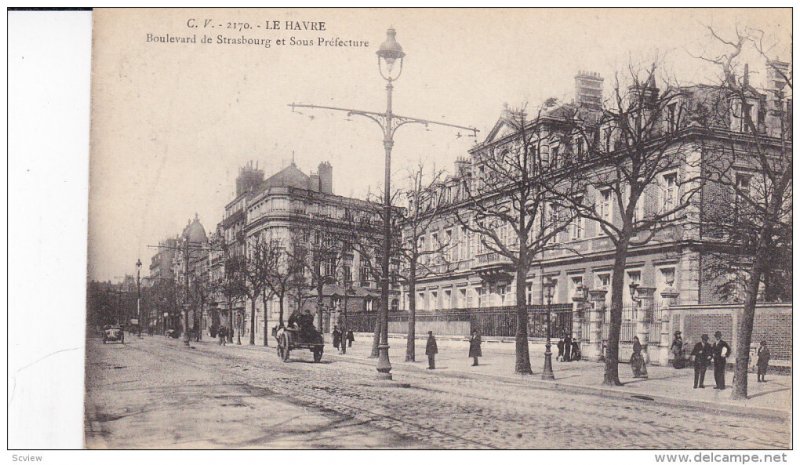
(284, 272)
(364, 234)
(753, 218)
(256, 271)
(418, 258)
(232, 287)
(504, 205)
(617, 157)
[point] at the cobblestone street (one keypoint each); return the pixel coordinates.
(153, 392)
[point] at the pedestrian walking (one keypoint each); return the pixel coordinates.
(560, 345)
(763, 361)
(721, 352)
(337, 337)
(475, 347)
(350, 338)
(431, 350)
(703, 354)
(567, 347)
(676, 348)
(638, 365)
(223, 333)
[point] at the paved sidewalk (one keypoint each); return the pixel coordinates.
(664, 384)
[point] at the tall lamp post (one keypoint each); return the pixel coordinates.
(388, 55)
(139, 297)
(547, 373)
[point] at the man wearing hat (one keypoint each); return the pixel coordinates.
(703, 354)
(721, 352)
(431, 350)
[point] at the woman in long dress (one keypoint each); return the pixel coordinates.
(637, 360)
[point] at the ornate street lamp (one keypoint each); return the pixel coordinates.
(388, 53)
(547, 373)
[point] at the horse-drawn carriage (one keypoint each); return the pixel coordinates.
(296, 338)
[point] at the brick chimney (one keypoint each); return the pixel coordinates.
(589, 89)
(325, 172)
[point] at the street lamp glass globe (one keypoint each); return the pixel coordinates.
(390, 50)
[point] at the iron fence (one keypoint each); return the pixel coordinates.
(489, 321)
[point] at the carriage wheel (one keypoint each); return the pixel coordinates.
(317, 355)
(285, 346)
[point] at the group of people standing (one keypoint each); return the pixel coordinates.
(431, 349)
(704, 355)
(340, 338)
(568, 349)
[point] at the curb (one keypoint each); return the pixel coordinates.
(597, 390)
(611, 392)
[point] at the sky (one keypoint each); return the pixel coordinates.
(172, 123)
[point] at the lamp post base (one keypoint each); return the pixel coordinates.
(384, 367)
(547, 373)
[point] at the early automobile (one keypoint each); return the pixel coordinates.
(113, 334)
(296, 338)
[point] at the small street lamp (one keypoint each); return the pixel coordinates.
(547, 373)
(633, 287)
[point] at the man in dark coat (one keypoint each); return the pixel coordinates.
(703, 354)
(337, 337)
(350, 338)
(560, 345)
(431, 350)
(763, 361)
(567, 347)
(721, 352)
(475, 347)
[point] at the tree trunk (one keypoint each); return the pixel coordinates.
(611, 375)
(280, 311)
(343, 329)
(523, 362)
(253, 320)
(230, 320)
(266, 319)
(412, 315)
(746, 319)
(319, 304)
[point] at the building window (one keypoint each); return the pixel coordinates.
(447, 299)
(577, 223)
(462, 298)
(575, 282)
(434, 300)
(502, 290)
(672, 123)
(330, 267)
(743, 191)
(529, 293)
(604, 280)
(604, 208)
(421, 301)
(452, 251)
(669, 199)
